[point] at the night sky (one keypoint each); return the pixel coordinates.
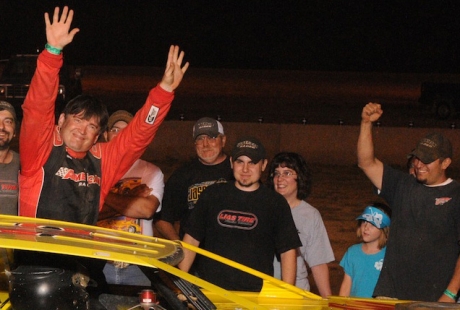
(368, 35)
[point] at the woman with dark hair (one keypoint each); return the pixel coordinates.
(290, 176)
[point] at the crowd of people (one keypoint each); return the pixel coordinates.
(86, 169)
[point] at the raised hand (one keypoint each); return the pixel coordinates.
(57, 32)
(371, 112)
(174, 72)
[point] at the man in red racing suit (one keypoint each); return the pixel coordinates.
(63, 182)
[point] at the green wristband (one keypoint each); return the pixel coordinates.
(53, 50)
(450, 294)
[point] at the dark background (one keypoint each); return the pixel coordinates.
(371, 35)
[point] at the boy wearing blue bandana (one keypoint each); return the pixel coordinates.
(362, 262)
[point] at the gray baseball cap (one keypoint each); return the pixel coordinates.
(207, 126)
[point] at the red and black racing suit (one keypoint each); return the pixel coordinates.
(58, 183)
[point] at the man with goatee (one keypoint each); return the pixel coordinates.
(244, 221)
(421, 260)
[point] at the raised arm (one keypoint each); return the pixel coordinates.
(372, 167)
(134, 139)
(38, 109)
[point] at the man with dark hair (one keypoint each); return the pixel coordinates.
(243, 221)
(9, 161)
(422, 257)
(65, 173)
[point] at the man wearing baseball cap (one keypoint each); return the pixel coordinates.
(186, 184)
(9, 161)
(421, 261)
(243, 221)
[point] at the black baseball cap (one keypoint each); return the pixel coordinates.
(250, 147)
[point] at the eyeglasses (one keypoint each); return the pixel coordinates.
(200, 140)
(284, 174)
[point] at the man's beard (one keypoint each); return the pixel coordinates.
(247, 184)
(4, 145)
(421, 181)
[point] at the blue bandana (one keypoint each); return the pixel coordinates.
(375, 216)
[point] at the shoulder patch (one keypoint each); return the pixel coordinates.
(152, 115)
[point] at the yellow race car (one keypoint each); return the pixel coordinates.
(32, 287)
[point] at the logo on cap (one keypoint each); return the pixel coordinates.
(250, 147)
(207, 126)
(375, 216)
(431, 147)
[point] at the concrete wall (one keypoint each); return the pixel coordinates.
(334, 145)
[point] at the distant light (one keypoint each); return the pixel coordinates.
(340, 122)
(304, 120)
(378, 124)
(452, 126)
(261, 119)
(411, 124)
(181, 117)
(218, 118)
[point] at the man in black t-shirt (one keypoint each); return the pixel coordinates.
(185, 185)
(421, 260)
(243, 221)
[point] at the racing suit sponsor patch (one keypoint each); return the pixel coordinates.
(152, 115)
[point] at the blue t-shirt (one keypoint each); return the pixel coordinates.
(364, 269)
